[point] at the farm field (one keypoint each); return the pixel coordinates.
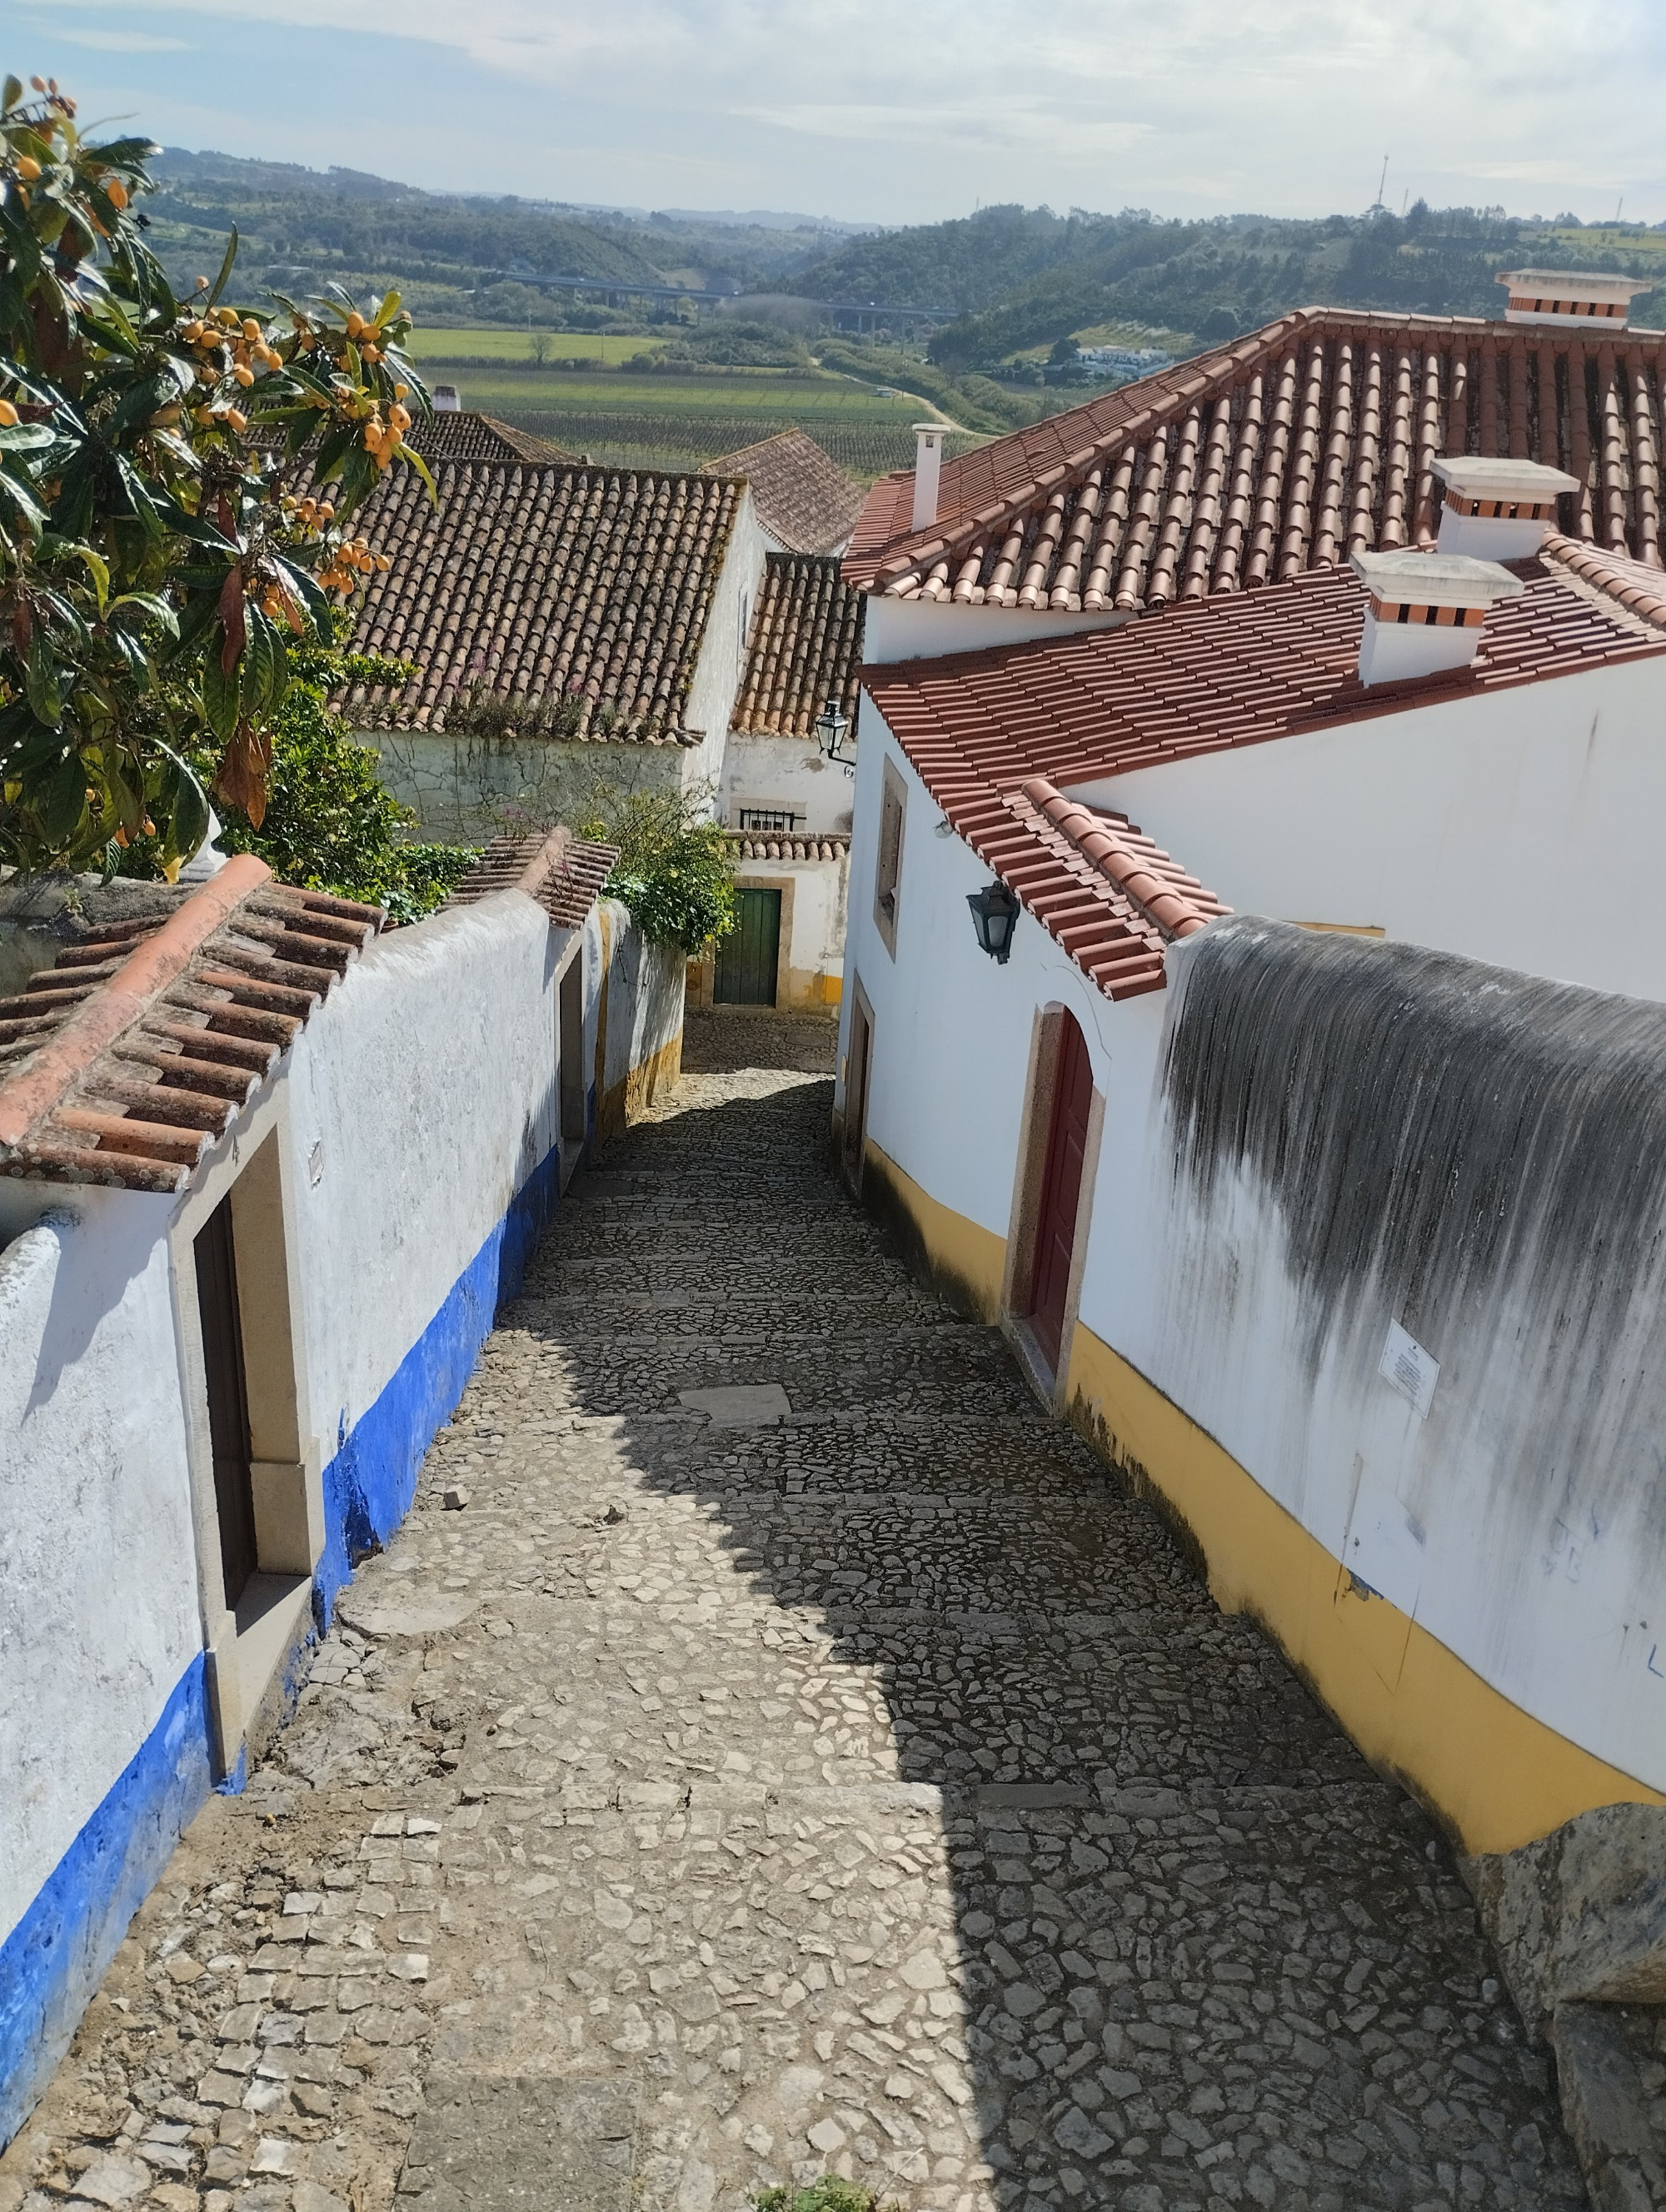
(632, 420)
(500, 343)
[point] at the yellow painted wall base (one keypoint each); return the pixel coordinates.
(966, 1263)
(622, 1103)
(1492, 1774)
(1497, 1777)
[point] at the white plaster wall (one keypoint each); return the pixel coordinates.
(952, 1027)
(98, 1617)
(924, 629)
(423, 1094)
(787, 772)
(722, 658)
(1549, 1592)
(1519, 826)
(815, 946)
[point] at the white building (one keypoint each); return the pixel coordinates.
(1460, 1575)
(265, 1175)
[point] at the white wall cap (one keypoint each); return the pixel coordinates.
(1435, 580)
(1573, 283)
(1523, 482)
(935, 429)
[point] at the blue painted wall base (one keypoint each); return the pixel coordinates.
(54, 1960)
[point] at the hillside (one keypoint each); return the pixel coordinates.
(1025, 280)
(300, 227)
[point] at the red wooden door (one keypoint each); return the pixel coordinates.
(1061, 1189)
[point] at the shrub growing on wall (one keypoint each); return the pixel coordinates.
(673, 869)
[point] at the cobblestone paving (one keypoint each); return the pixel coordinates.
(722, 1795)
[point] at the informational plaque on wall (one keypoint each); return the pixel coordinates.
(1412, 1371)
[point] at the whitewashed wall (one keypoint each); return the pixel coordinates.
(418, 1119)
(923, 629)
(787, 772)
(723, 658)
(1469, 825)
(98, 1587)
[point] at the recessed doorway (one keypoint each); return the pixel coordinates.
(749, 958)
(227, 1376)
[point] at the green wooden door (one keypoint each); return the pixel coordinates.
(747, 957)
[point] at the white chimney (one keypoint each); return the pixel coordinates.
(1424, 611)
(928, 467)
(1498, 510)
(445, 399)
(1573, 297)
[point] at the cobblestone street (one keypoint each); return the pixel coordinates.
(837, 1772)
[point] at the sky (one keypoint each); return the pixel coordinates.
(872, 111)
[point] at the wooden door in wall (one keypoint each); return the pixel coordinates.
(857, 1065)
(227, 1397)
(1061, 1189)
(747, 957)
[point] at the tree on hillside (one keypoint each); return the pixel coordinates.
(156, 575)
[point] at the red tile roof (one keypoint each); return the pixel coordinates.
(563, 873)
(780, 845)
(564, 602)
(124, 1062)
(804, 498)
(806, 647)
(461, 434)
(1310, 440)
(1113, 899)
(1222, 672)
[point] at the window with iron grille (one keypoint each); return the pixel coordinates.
(780, 819)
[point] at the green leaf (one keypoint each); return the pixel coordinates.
(224, 277)
(134, 607)
(98, 568)
(222, 691)
(63, 802)
(43, 682)
(187, 809)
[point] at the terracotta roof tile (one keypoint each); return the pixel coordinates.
(460, 434)
(1308, 441)
(806, 647)
(804, 498)
(124, 1062)
(1222, 672)
(570, 601)
(1113, 899)
(767, 845)
(563, 873)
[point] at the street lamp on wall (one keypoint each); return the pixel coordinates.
(994, 911)
(831, 724)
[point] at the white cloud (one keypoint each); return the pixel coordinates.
(861, 108)
(122, 42)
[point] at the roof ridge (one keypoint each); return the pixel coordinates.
(1093, 834)
(136, 1051)
(1634, 585)
(558, 870)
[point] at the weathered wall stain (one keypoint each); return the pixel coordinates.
(1434, 1133)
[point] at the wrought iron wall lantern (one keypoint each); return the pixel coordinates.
(831, 724)
(994, 911)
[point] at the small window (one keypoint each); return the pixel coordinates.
(888, 874)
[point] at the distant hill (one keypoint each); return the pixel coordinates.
(1024, 280)
(301, 226)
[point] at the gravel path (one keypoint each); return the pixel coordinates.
(840, 1776)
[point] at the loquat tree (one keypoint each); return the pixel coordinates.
(157, 575)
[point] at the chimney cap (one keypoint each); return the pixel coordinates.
(1573, 283)
(1434, 579)
(938, 428)
(1476, 475)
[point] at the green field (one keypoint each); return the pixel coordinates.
(499, 344)
(628, 419)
